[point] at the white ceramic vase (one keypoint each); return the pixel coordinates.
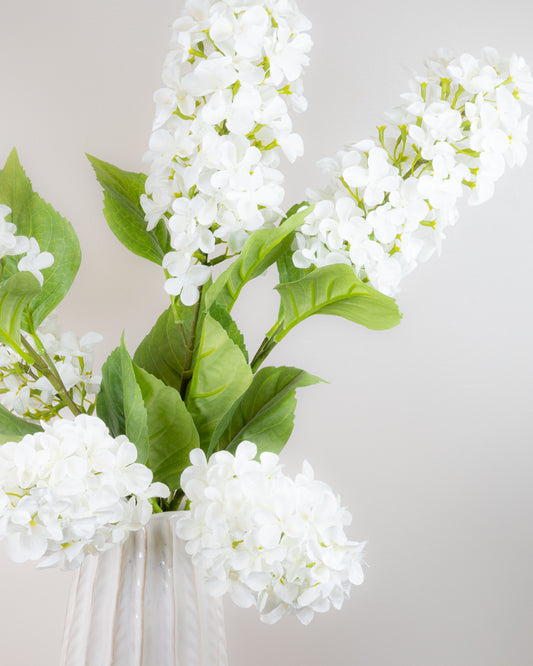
(143, 604)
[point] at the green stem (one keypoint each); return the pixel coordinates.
(156, 506)
(190, 346)
(9, 342)
(174, 503)
(178, 322)
(46, 367)
(355, 195)
(267, 346)
(221, 258)
(418, 162)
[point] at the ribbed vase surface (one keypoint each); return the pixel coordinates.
(143, 604)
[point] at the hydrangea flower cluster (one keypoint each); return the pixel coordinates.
(270, 541)
(33, 261)
(222, 121)
(27, 393)
(389, 200)
(71, 490)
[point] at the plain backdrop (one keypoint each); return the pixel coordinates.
(425, 430)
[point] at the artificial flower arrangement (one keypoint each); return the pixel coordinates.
(190, 420)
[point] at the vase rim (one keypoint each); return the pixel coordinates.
(166, 515)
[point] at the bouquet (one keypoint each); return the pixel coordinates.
(192, 419)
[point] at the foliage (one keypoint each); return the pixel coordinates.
(191, 382)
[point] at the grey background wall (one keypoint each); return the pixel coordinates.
(425, 430)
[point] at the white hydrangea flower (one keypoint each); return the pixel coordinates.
(34, 261)
(10, 244)
(388, 202)
(221, 125)
(71, 490)
(26, 393)
(270, 541)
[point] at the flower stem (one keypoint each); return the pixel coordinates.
(44, 364)
(178, 322)
(221, 258)
(174, 503)
(189, 347)
(267, 346)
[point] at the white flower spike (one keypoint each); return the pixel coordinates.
(222, 123)
(389, 201)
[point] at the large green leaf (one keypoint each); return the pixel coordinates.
(260, 251)
(163, 351)
(171, 430)
(35, 218)
(16, 293)
(335, 290)
(152, 415)
(265, 413)
(124, 214)
(120, 402)
(12, 429)
(220, 376)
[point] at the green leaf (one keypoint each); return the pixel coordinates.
(120, 402)
(220, 376)
(162, 352)
(124, 214)
(260, 251)
(265, 413)
(12, 428)
(35, 218)
(16, 293)
(287, 271)
(226, 321)
(335, 290)
(171, 430)
(166, 350)
(134, 403)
